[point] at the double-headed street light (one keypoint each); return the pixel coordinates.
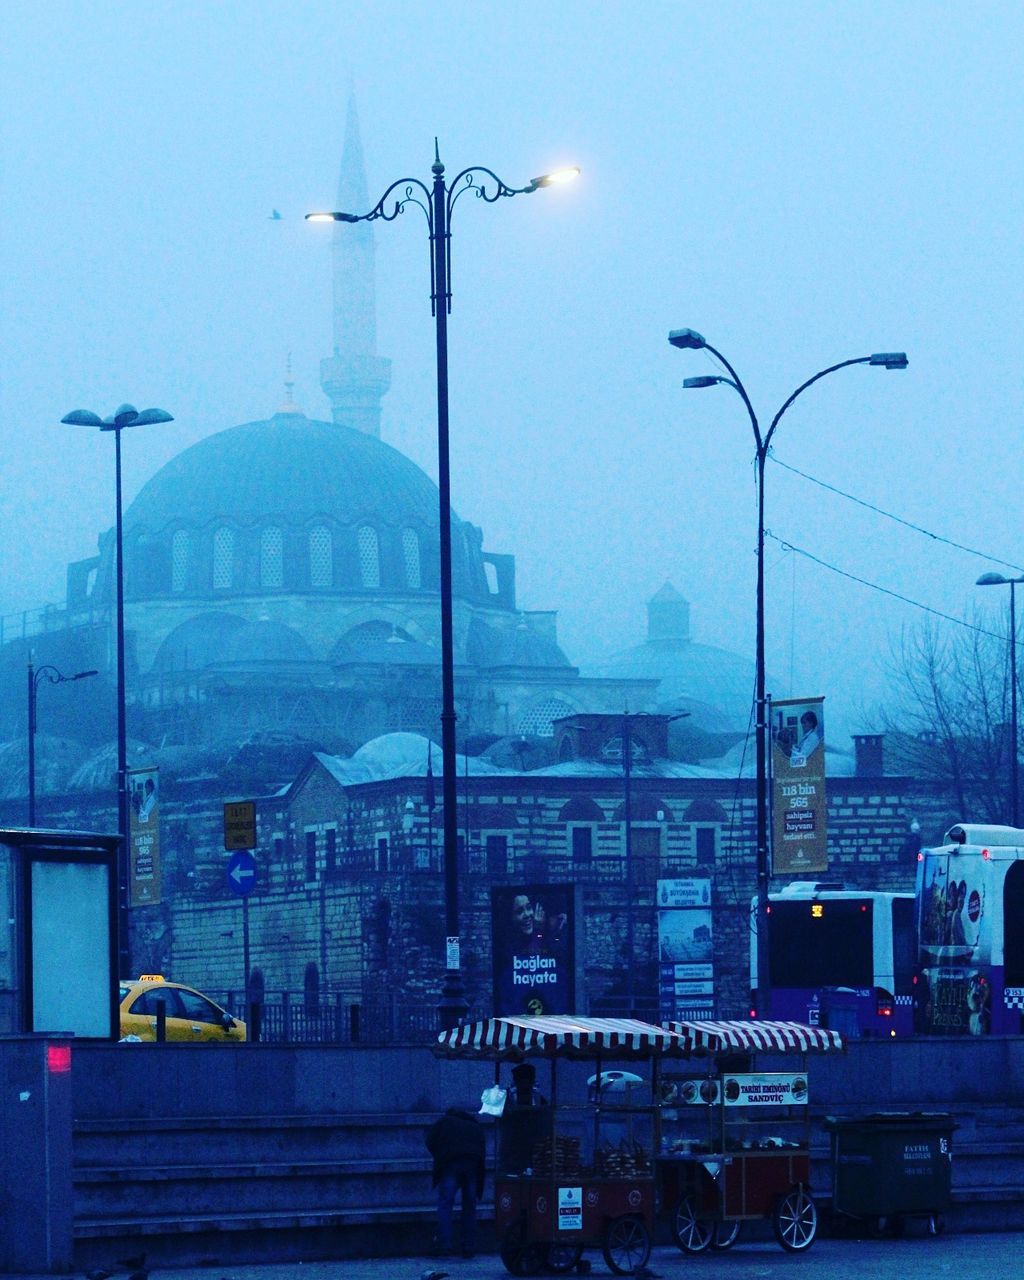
(689, 339)
(124, 416)
(437, 202)
(997, 580)
(35, 676)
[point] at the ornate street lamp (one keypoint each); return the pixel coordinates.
(437, 202)
(35, 675)
(689, 339)
(997, 580)
(124, 416)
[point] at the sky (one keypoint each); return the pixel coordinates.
(800, 182)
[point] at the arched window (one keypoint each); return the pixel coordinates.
(272, 558)
(321, 556)
(369, 557)
(179, 560)
(411, 555)
(223, 559)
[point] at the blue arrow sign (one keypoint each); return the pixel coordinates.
(242, 873)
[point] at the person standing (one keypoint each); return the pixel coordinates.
(456, 1142)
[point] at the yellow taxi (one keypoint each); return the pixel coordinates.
(191, 1017)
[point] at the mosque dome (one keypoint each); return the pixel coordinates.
(291, 504)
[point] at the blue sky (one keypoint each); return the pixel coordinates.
(800, 182)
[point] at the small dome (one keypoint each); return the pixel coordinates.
(518, 646)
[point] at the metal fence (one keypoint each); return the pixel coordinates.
(283, 1018)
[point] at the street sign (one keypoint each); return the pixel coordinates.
(240, 825)
(242, 873)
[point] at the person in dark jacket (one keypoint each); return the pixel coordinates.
(456, 1142)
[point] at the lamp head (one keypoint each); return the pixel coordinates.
(150, 416)
(890, 359)
(687, 339)
(332, 217)
(82, 418)
(992, 580)
(554, 179)
(693, 384)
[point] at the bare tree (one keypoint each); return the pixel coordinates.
(950, 724)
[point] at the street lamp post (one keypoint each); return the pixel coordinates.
(35, 676)
(124, 416)
(997, 580)
(688, 339)
(437, 202)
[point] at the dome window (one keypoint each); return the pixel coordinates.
(223, 559)
(411, 555)
(179, 560)
(272, 558)
(369, 557)
(321, 557)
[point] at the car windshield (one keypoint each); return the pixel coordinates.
(124, 990)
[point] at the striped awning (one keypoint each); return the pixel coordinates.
(767, 1036)
(569, 1037)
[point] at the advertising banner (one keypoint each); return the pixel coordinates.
(686, 981)
(955, 995)
(533, 935)
(143, 837)
(799, 807)
(765, 1089)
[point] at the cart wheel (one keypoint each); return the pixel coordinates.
(627, 1245)
(795, 1220)
(691, 1234)
(725, 1235)
(520, 1257)
(562, 1257)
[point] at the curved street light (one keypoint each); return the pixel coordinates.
(437, 202)
(124, 416)
(35, 676)
(997, 580)
(689, 339)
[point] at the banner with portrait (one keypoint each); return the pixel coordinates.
(143, 837)
(533, 943)
(799, 804)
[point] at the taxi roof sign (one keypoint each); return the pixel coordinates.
(240, 825)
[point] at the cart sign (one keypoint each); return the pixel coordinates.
(765, 1090)
(570, 1208)
(533, 949)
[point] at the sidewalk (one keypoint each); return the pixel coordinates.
(916, 1257)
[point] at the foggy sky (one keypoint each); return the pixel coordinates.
(801, 182)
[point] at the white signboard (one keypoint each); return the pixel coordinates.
(765, 1090)
(570, 1208)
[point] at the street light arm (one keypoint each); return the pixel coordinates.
(381, 210)
(843, 364)
(467, 181)
(736, 383)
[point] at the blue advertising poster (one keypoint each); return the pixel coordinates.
(533, 949)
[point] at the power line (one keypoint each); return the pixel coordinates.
(907, 524)
(788, 546)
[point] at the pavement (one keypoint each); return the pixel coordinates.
(913, 1257)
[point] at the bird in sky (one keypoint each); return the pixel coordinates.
(274, 216)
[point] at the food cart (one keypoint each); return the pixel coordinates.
(580, 1174)
(734, 1142)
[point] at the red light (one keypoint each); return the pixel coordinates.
(920, 857)
(753, 1013)
(58, 1058)
(913, 980)
(985, 853)
(768, 909)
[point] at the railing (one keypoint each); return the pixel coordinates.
(283, 1018)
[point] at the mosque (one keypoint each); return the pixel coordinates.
(281, 587)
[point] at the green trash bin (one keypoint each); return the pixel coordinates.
(892, 1165)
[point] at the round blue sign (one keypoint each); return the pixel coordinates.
(241, 873)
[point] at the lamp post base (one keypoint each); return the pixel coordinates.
(453, 1005)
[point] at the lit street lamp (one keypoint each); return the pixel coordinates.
(35, 675)
(691, 340)
(125, 415)
(437, 202)
(997, 580)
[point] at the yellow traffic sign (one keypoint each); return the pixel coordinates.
(240, 825)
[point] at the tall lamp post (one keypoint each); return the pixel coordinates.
(997, 580)
(35, 676)
(687, 339)
(437, 202)
(124, 416)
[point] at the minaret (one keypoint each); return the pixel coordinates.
(354, 378)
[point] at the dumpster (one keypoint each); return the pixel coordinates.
(892, 1165)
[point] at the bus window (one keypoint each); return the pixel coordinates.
(904, 945)
(1013, 926)
(821, 944)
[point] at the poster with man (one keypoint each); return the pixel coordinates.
(533, 949)
(143, 837)
(799, 806)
